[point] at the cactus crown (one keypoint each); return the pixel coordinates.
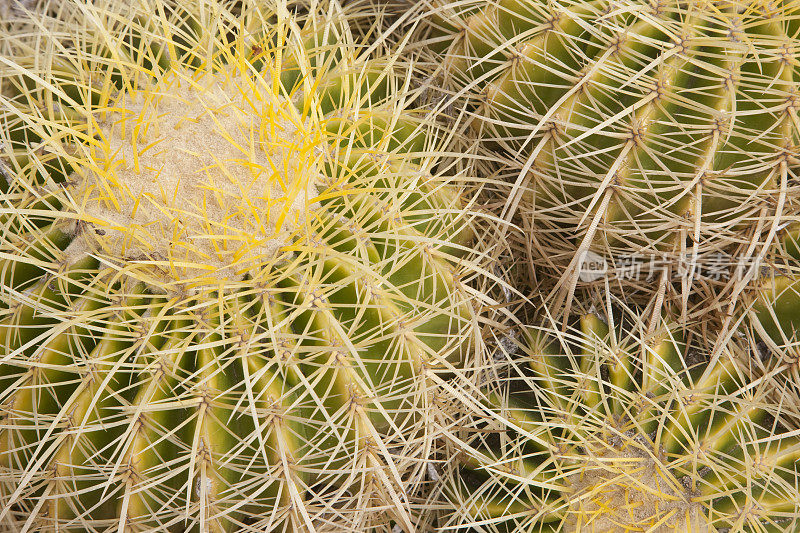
(207, 170)
(202, 146)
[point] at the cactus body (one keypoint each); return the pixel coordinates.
(229, 266)
(772, 320)
(614, 432)
(659, 131)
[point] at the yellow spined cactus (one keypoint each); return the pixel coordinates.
(232, 263)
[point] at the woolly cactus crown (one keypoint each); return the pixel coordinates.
(233, 262)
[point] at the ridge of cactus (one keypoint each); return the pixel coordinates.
(769, 323)
(235, 262)
(663, 130)
(608, 427)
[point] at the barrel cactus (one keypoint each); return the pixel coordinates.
(233, 263)
(652, 132)
(609, 428)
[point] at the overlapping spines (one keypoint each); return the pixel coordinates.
(609, 428)
(151, 387)
(663, 130)
(770, 321)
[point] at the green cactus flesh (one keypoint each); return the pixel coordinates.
(773, 315)
(229, 266)
(608, 431)
(634, 126)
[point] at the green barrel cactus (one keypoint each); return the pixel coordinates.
(607, 429)
(656, 131)
(232, 263)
